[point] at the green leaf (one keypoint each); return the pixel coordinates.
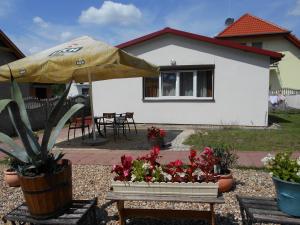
(61, 124)
(16, 95)
(53, 118)
(19, 125)
(33, 141)
(18, 152)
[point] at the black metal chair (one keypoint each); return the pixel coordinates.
(129, 120)
(108, 121)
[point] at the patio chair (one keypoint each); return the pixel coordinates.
(82, 119)
(108, 121)
(129, 120)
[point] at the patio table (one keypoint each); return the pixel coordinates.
(81, 212)
(164, 213)
(119, 122)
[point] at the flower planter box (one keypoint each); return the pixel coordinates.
(198, 189)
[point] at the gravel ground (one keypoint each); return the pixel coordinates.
(93, 181)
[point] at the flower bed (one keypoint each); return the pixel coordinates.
(146, 175)
(156, 137)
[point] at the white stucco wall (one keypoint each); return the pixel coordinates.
(240, 87)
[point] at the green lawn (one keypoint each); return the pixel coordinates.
(287, 137)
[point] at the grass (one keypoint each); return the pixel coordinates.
(287, 137)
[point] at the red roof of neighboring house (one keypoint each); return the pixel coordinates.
(251, 25)
(11, 45)
(293, 39)
(230, 44)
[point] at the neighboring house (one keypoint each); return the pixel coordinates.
(9, 52)
(79, 89)
(203, 81)
(253, 31)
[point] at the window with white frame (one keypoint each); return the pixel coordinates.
(180, 85)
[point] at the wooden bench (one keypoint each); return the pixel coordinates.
(164, 213)
(81, 212)
(263, 210)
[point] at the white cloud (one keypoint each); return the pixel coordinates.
(111, 13)
(296, 10)
(40, 22)
(50, 31)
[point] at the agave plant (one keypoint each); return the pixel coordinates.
(34, 158)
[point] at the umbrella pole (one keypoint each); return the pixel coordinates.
(91, 104)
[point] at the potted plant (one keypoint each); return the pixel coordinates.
(285, 172)
(45, 178)
(227, 159)
(11, 177)
(146, 175)
(156, 136)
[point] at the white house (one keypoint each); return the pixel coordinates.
(203, 81)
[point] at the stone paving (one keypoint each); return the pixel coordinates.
(135, 145)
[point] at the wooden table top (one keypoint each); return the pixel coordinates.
(160, 197)
(71, 216)
(265, 210)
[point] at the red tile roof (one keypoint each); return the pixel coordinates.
(274, 55)
(292, 38)
(251, 25)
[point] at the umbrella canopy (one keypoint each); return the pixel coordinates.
(82, 59)
(73, 60)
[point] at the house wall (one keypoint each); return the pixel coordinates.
(241, 86)
(287, 75)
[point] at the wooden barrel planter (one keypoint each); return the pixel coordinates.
(48, 195)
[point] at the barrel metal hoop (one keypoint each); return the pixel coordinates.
(59, 185)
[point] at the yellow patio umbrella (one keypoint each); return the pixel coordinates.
(82, 60)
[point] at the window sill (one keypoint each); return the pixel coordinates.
(176, 99)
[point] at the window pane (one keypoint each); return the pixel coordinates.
(186, 84)
(257, 44)
(204, 83)
(85, 91)
(168, 84)
(151, 87)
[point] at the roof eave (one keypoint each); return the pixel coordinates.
(15, 49)
(251, 35)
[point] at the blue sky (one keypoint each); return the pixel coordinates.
(35, 25)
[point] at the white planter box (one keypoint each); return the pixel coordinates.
(198, 189)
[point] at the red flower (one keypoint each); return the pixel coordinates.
(162, 132)
(208, 151)
(178, 163)
(155, 150)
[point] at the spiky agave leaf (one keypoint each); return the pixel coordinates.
(16, 95)
(18, 152)
(19, 125)
(61, 124)
(53, 118)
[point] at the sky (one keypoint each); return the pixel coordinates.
(35, 25)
